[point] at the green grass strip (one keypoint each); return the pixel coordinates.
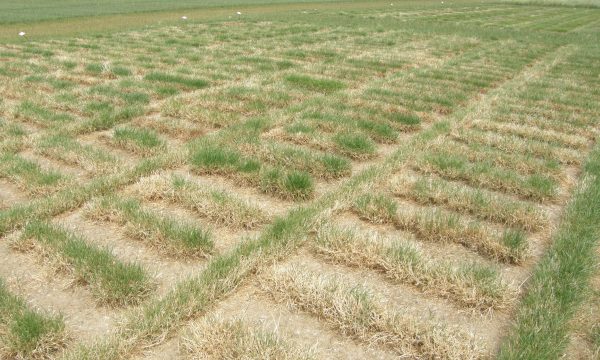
(25, 331)
(111, 280)
(165, 233)
(176, 79)
(560, 280)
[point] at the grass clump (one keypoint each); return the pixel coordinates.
(68, 150)
(166, 234)
(112, 281)
(213, 159)
(26, 333)
(234, 339)
(376, 208)
(355, 145)
(120, 71)
(404, 119)
(28, 175)
(476, 202)
(356, 312)
(306, 82)
(138, 140)
(440, 226)
(216, 205)
(177, 80)
(486, 174)
(94, 68)
(473, 285)
(296, 185)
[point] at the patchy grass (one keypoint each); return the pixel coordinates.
(218, 206)
(358, 313)
(235, 339)
(296, 185)
(477, 202)
(166, 234)
(112, 281)
(177, 80)
(138, 140)
(27, 333)
(470, 284)
(28, 175)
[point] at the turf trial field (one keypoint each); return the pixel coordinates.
(357, 180)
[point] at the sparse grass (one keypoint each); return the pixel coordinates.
(112, 281)
(165, 234)
(216, 205)
(376, 208)
(235, 339)
(321, 165)
(440, 226)
(65, 148)
(31, 111)
(138, 140)
(477, 202)
(29, 175)
(356, 312)
(486, 174)
(25, 333)
(468, 284)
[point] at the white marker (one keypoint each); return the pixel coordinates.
(239, 13)
(184, 17)
(22, 33)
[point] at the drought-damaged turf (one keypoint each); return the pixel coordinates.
(234, 339)
(383, 180)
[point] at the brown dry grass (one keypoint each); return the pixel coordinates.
(216, 338)
(356, 312)
(468, 284)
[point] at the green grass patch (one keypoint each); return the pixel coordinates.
(27, 333)
(29, 175)
(32, 111)
(164, 233)
(277, 181)
(306, 82)
(138, 140)
(112, 281)
(176, 79)
(354, 145)
(561, 279)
